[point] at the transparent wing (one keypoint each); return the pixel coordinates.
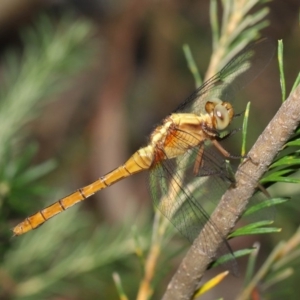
(241, 70)
(187, 198)
(188, 208)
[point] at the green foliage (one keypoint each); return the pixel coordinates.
(279, 265)
(255, 228)
(40, 263)
(238, 28)
(48, 57)
(244, 130)
(267, 203)
(18, 184)
(281, 71)
(296, 83)
(224, 259)
(30, 78)
(192, 65)
(63, 250)
(62, 255)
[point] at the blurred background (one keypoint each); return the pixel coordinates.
(83, 83)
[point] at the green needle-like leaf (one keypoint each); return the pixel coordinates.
(264, 204)
(255, 228)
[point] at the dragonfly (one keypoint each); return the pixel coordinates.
(184, 156)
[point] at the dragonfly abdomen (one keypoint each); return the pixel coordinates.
(138, 162)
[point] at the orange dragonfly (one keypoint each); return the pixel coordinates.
(184, 156)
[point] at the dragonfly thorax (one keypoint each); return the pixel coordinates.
(221, 113)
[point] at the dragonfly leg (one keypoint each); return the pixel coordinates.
(225, 153)
(198, 162)
(230, 133)
(238, 114)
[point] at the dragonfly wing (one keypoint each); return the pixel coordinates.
(184, 207)
(240, 71)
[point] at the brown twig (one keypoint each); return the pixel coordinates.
(234, 201)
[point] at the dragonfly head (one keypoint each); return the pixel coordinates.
(221, 113)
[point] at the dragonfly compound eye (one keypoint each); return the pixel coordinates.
(211, 104)
(223, 114)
